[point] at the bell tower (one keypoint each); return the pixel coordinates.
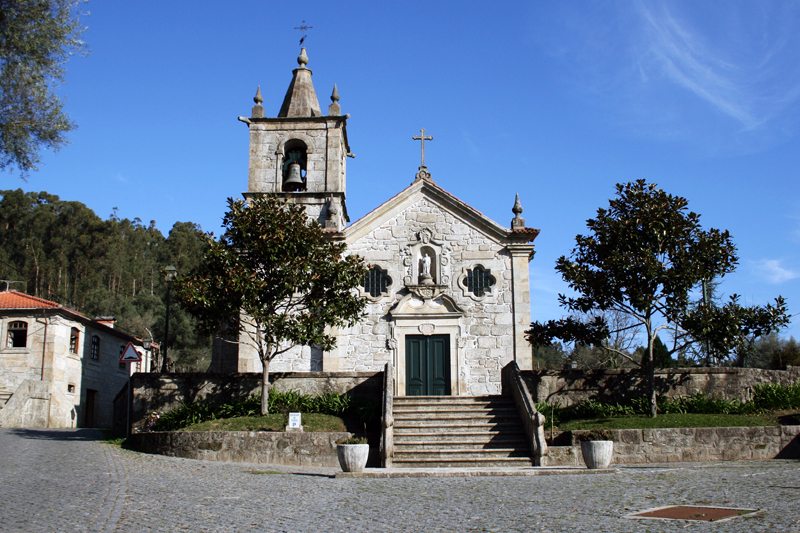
(301, 154)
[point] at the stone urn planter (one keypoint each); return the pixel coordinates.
(352, 457)
(597, 447)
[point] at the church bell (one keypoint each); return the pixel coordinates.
(294, 181)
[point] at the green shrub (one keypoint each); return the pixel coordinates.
(352, 440)
(595, 434)
(771, 397)
(329, 403)
(766, 397)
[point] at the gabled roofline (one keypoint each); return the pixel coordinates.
(456, 207)
(53, 307)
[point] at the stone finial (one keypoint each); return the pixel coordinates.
(332, 222)
(517, 222)
(302, 60)
(335, 109)
(258, 109)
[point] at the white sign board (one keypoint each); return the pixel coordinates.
(294, 420)
(130, 355)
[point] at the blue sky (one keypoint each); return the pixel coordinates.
(556, 101)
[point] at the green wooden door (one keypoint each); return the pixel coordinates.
(427, 365)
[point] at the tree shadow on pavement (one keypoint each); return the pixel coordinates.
(58, 434)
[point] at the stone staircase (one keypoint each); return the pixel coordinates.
(458, 431)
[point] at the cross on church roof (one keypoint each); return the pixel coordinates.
(423, 138)
(303, 28)
(423, 173)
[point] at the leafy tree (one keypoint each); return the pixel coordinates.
(661, 355)
(732, 329)
(64, 252)
(643, 257)
(37, 37)
(274, 279)
(550, 357)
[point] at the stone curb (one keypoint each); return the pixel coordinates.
(386, 473)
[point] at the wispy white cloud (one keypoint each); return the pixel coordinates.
(121, 178)
(773, 272)
(750, 80)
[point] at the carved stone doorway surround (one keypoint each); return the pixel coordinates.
(436, 316)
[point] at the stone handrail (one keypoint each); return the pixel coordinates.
(532, 420)
(387, 418)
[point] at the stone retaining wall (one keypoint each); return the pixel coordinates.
(573, 386)
(291, 448)
(162, 392)
(633, 446)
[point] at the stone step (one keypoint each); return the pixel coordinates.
(454, 415)
(508, 462)
(455, 423)
(452, 400)
(450, 446)
(462, 436)
(454, 408)
(453, 431)
(460, 454)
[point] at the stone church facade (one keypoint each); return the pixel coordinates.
(448, 288)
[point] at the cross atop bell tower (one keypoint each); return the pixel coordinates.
(301, 154)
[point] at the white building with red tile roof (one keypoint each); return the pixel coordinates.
(58, 367)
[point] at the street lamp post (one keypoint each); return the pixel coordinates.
(170, 273)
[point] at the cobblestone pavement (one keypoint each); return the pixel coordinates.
(69, 480)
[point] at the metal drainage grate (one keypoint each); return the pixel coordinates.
(691, 512)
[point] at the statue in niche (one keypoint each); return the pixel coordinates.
(425, 277)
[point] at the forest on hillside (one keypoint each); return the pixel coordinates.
(62, 251)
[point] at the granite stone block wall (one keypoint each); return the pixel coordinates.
(573, 386)
(277, 448)
(635, 446)
(162, 392)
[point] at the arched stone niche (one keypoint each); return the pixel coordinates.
(425, 261)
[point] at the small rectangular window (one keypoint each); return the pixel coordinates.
(121, 351)
(74, 336)
(17, 334)
(95, 347)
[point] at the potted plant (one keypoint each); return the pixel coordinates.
(597, 447)
(353, 453)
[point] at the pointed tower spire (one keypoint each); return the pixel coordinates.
(517, 222)
(335, 109)
(301, 99)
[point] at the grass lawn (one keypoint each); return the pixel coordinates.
(272, 422)
(682, 421)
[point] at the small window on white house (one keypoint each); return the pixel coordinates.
(121, 351)
(74, 337)
(17, 334)
(95, 347)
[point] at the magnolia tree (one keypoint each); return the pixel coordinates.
(274, 281)
(643, 257)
